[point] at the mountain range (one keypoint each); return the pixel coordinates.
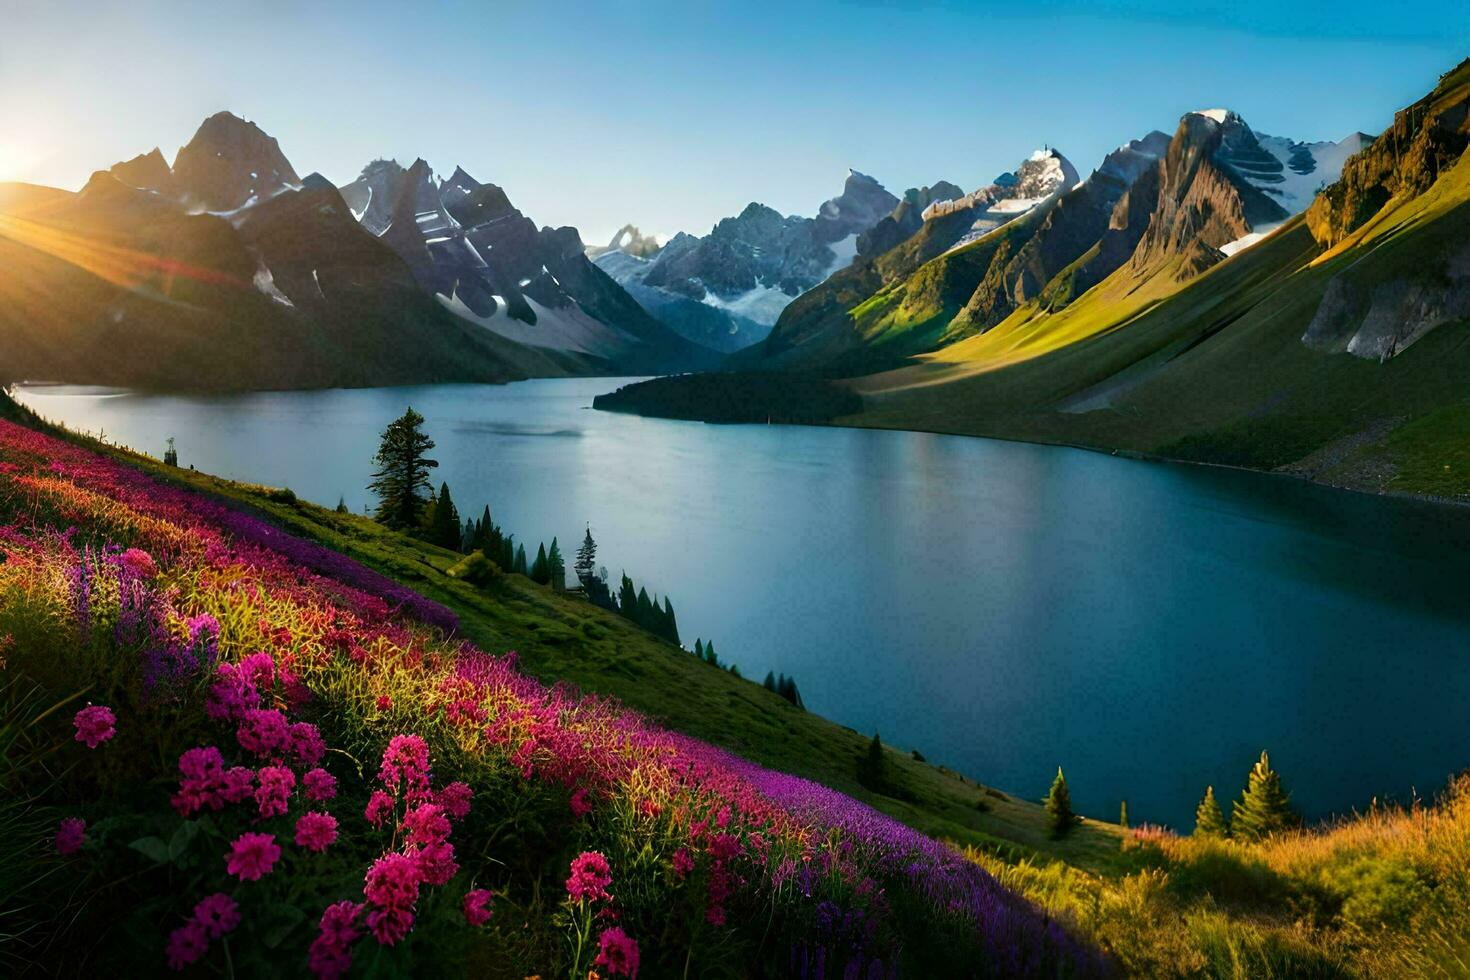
(1215, 294)
(228, 270)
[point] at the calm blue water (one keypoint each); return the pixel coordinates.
(1003, 608)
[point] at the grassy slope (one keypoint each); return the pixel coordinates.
(1217, 371)
(562, 638)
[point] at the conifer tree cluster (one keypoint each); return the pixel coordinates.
(1264, 808)
(635, 604)
(785, 687)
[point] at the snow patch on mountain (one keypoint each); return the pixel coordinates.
(763, 304)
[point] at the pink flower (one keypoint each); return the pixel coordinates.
(389, 925)
(263, 731)
(252, 856)
(140, 563)
(683, 862)
(201, 779)
(618, 952)
(331, 950)
(393, 879)
(436, 862)
(95, 725)
(186, 945)
(379, 808)
(590, 877)
(237, 784)
(320, 785)
(385, 703)
(71, 833)
(218, 914)
(306, 743)
(579, 803)
(477, 910)
(406, 764)
(455, 799)
(315, 831)
(274, 794)
(425, 824)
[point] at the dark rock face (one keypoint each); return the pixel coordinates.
(465, 242)
(905, 219)
(762, 248)
(147, 171)
(1204, 201)
(230, 162)
(1426, 139)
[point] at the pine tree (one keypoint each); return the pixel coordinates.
(770, 682)
(342, 505)
(710, 657)
(586, 557)
(1264, 808)
(557, 566)
(644, 615)
(540, 570)
(508, 553)
(401, 481)
(1059, 806)
(1123, 815)
(519, 564)
(699, 649)
(1209, 820)
(670, 624)
(442, 521)
(627, 599)
(873, 769)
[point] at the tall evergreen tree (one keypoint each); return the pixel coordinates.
(401, 481)
(628, 599)
(586, 558)
(519, 565)
(1059, 805)
(442, 521)
(670, 624)
(1123, 815)
(341, 505)
(873, 769)
(1264, 808)
(710, 657)
(540, 570)
(644, 615)
(557, 566)
(699, 649)
(770, 682)
(508, 553)
(1209, 819)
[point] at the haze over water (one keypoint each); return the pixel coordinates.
(1001, 607)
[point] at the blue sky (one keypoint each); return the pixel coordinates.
(672, 115)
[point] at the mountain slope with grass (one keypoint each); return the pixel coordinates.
(1334, 346)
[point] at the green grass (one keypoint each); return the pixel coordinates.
(562, 638)
(1432, 453)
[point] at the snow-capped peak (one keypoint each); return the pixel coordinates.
(1218, 115)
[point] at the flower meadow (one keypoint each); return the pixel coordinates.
(233, 752)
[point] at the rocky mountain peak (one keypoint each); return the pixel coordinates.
(229, 162)
(146, 171)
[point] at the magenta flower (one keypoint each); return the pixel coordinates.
(218, 914)
(263, 731)
(425, 824)
(380, 806)
(590, 877)
(406, 765)
(186, 945)
(436, 862)
(393, 879)
(618, 952)
(237, 784)
(389, 925)
(274, 794)
(579, 803)
(331, 950)
(71, 834)
(95, 724)
(252, 856)
(138, 562)
(306, 743)
(316, 831)
(320, 785)
(477, 910)
(683, 862)
(455, 799)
